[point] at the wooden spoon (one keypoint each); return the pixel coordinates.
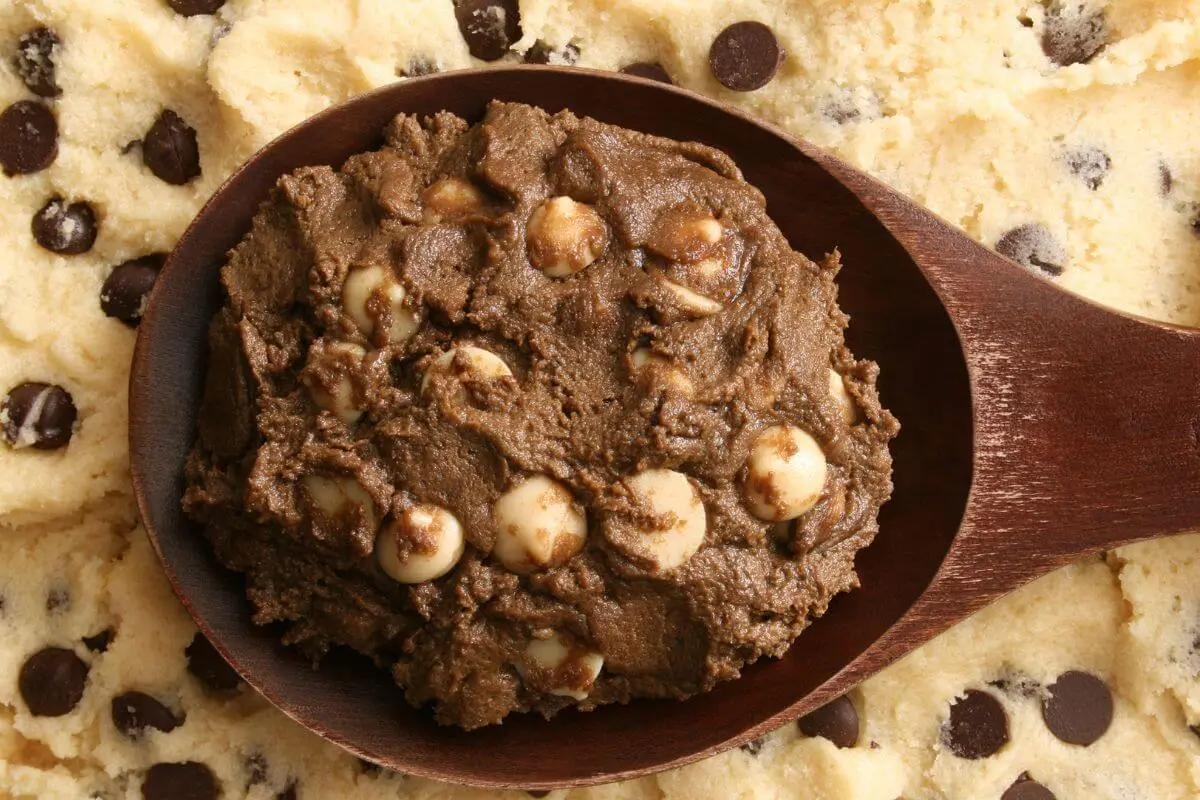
(1038, 428)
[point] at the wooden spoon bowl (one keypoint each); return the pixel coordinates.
(1038, 427)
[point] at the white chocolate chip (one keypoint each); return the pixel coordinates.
(421, 543)
(685, 235)
(372, 296)
(336, 497)
(837, 390)
(573, 669)
(337, 360)
(565, 237)
(451, 197)
(538, 526)
(706, 229)
(691, 301)
(785, 473)
(644, 357)
(479, 365)
(681, 522)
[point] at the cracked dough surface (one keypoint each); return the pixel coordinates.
(954, 103)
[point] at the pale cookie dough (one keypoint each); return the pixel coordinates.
(954, 102)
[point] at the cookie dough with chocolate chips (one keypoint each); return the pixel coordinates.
(536, 426)
(956, 104)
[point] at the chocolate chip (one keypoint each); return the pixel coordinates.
(38, 415)
(1089, 164)
(170, 149)
(134, 712)
(65, 228)
(1024, 788)
(542, 53)
(1166, 180)
(207, 664)
(488, 26)
(1074, 32)
(192, 8)
(288, 794)
(128, 286)
(745, 56)
(1078, 707)
(52, 682)
(28, 137)
(188, 780)
(99, 642)
(977, 726)
(836, 721)
(1196, 221)
(1035, 247)
(754, 746)
(537, 792)
(649, 71)
(418, 66)
(34, 61)
(58, 601)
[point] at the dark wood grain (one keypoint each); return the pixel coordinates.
(1037, 428)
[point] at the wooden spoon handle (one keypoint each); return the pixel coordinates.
(1087, 421)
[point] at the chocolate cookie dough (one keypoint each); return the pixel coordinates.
(537, 413)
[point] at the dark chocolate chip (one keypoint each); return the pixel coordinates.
(128, 286)
(537, 792)
(649, 71)
(58, 600)
(290, 793)
(187, 780)
(1196, 221)
(52, 682)
(1025, 788)
(99, 642)
(1074, 32)
(28, 137)
(977, 726)
(745, 56)
(134, 712)
(489, 26)
(65, 228)
(1089, 164)
(754, 746)
(836, 721)
(1166, 180)
(38, 415)
(34, 61)
(207, 664)
(542, 53)
(170, 149)
(192, 8)
(418, 66)
(1035, 247)
(1078, 707)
